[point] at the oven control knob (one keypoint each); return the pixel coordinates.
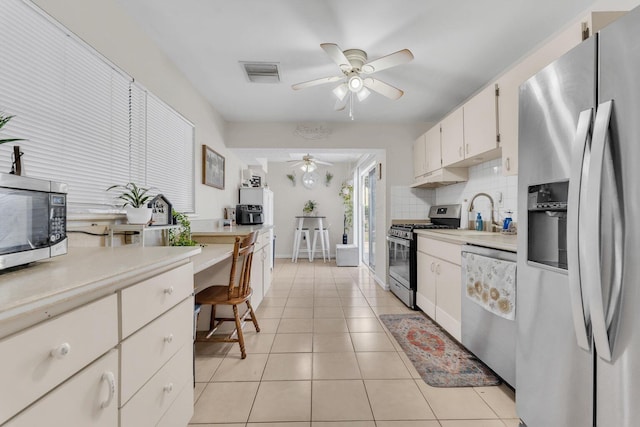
(52, 238)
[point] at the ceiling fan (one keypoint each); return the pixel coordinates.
(308, 163)
(355, 69)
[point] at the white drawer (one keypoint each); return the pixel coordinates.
(144, 301)
(81, 336)
(180, 413)
(79, 401)
(443, 250)
(154, 399)
(147, 350)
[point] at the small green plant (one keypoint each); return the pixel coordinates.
(346, 192)
(310, 206)
(132, 195)
(328, 177)
(292, 178)
(181, 236)
(4, 119)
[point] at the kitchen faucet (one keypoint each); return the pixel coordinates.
(494, 224)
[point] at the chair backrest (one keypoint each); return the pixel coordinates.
(242, 256)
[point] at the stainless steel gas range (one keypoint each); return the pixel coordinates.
(402, 250)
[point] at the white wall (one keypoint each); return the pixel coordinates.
(289, 201)
(104, 26)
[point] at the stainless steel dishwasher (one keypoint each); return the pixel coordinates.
(489, 308)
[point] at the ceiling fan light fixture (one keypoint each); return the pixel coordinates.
(363, 94)
(340, 91)
(368, 69)
(308, 167)
(355, 83)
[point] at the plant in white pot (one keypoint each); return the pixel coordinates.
(135, 200)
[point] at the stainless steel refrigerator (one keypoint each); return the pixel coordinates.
(578, 350)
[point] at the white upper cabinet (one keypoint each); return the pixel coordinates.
(481, 136)
(433, 151)
(453, 138)
(420, 157)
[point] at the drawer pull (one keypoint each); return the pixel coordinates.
(61, 351)
(169, 290)
(168, 339)
(110, 379)
(433, 266)
(168, 388)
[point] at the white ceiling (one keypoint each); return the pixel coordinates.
(459, 46)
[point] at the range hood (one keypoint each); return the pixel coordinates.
(441, 177)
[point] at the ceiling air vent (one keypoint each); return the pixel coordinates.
(261, 72)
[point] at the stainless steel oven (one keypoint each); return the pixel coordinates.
(402, 251)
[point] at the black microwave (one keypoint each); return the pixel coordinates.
(34, 220)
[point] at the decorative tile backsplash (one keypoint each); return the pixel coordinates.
(414, 203)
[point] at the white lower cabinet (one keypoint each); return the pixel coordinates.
(87, 399)
(77, 369)
(439, 279)
(39, 358)
(158, 395)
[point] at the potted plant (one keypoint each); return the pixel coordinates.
(328, 177)
(309, 207)
(292, 178)
(135, 200)
(346, 192)
(181, 236)
(16, 167)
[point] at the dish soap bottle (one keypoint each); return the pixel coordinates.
(507, 221)
(479, 224)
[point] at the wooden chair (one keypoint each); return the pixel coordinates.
(238, 291)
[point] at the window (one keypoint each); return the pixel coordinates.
(86, 123)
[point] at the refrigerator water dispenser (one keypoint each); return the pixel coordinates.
(547, 230)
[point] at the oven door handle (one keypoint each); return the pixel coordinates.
(399, 241)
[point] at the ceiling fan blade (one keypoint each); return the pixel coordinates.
(341, 104)
(316, 82)
(297, 163)
(321, 162)
(336, 54)
(397, 58)
(383, 88)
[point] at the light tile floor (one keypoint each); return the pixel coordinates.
(323, 359)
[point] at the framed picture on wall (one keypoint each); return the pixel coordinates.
(212, 168)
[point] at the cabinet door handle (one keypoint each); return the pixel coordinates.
(168, 339)
(110, 379)
(433, 266)
(169, 290)
(438, 269)
(467, 148)
(507, 164)
(168, 388)
(460, 151)
(61, 351)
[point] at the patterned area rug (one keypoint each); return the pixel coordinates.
(440, 360)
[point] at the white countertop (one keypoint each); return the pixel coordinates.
(506, 242)
(235, 230)
(211, 255)
(46, 288)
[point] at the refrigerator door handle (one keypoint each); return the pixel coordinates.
(576, 199)
(602, 162)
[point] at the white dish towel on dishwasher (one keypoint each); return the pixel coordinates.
(491, 283)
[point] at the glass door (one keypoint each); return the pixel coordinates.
(368, 215)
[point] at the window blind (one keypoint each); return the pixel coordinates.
(86, 122)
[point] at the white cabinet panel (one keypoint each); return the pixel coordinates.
(87, 399)
(148, 349)
(433, 149)
(149, 299)
(453, 138)
(41, 357)
(419, 156)
(157, 396)
(481, 126)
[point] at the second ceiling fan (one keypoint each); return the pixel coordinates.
(356, 71)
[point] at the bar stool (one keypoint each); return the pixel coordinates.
(324, 242)
(300, 233)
